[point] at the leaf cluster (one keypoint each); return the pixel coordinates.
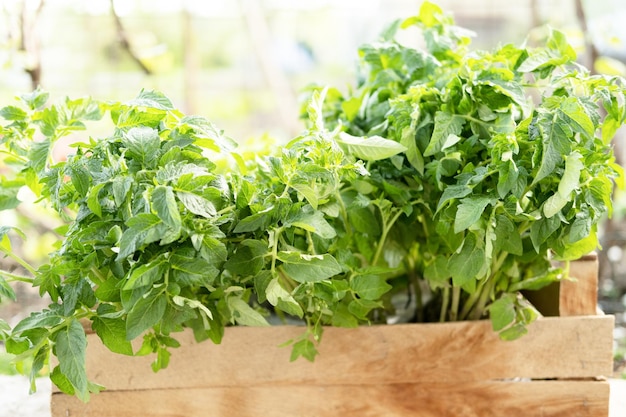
(436, 179)
(507, 167)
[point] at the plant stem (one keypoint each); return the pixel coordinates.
(414, 284)
(274, 252)
(454, 308)
(444, 304)
(479, 295)
(311, 245)
(226, 210)
(20, 261)
(479, 308)
(14, 277)
(344, 213)
(12, 155)
(383, 237)
(471, 300)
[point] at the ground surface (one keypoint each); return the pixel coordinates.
(16, 402)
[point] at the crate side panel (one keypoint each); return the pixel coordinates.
(568, 347)
(474, 399)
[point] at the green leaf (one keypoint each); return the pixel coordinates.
(71, 345)
(146, 274)
(437, 273)
(508, 237)
(39, 361)
(453, 192)
(581, 227)
(143, 143)
(8, 197)
(112, 332)
(304, 348)
(542, 229)
(108, 291)
(147, 312)
(35, 99)
(469, 212)
(12, 113)
(502, 312)
(556, 133)
(446, 124)
(557, 52)
(93, 200)
(143, 229)
(342, 317)
(38, 319)
(152, 99)
(197, 204)
(279, 297)
(6, 290)
(309, 268)
(370, 287)
(371, 148)
(554, 204)
(576, 250)
(571, 177)
(315, 108)
(164, 203)
(254, 222)
(248, 258)
(507, 178)
(80, 177)
(514, 332)
(574, 113)
(162, 360)
(361, 308)
(75, 293)
(48, 120)
(464, 266)
(61, 381)
(244, 314)
(315, 223)
(413, 153)
(38, 155)
(364, 221)
(308, 192)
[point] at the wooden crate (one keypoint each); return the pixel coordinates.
(447, 369)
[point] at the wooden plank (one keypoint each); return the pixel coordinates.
(574, 347)
(579, 296)
(471, 399)
(576, 296)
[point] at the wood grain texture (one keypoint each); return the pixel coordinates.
(579, 296)
(567, 347)
(429, 370)
(470, 399)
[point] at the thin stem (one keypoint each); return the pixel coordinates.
(344, 213)
(473, 119)
(311, 245)
(97, 275)
(471, 300)
(12, 155)
(444, 304)
(13, 277)
(383, 237)
(20, 261)
(226, 210)
(454, 308)
(274, 253)
(479, 309)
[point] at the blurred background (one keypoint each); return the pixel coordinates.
(245, 63)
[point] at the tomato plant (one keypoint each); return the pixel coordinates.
(435, 183)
